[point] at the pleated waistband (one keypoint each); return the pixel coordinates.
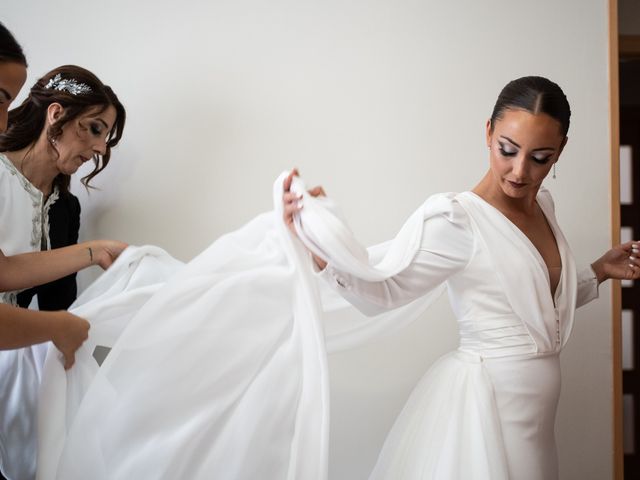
(497, 336)
(472, 356)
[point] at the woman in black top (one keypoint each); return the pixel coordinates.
(69, 117)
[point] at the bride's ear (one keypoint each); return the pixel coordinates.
(489, 133)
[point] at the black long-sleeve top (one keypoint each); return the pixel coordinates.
(64, 224)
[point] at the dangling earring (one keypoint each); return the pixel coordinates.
(554, 170)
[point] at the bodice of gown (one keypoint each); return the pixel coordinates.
(487, 323)
(486, 263)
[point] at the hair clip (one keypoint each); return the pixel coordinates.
(69, 85)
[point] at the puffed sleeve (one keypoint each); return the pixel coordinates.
(587, 286)
(446, 248)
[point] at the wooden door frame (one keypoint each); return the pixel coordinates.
(616, 290)
(620, 46)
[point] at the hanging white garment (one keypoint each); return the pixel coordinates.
(217, 369)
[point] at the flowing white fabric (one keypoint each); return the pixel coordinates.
(217, 368)
(209, 378)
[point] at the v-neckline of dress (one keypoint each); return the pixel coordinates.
(527, 241)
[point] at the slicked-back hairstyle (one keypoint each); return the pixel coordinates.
(535, 95)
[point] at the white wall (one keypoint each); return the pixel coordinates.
(383, 102)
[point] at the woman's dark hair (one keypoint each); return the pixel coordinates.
(535, 95)
(77, 90)
(10, 49)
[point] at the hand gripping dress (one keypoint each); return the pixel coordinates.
(487, 410)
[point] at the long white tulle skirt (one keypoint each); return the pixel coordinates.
(473, 418)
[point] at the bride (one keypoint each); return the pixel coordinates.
(217, 368)
(488, 410)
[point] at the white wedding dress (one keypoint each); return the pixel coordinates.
(218, 369)
(487, 410)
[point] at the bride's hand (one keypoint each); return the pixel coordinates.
(622, 262)
(293, 202)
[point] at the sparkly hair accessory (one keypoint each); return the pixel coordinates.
(70, 85)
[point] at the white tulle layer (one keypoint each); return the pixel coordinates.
(217, 369)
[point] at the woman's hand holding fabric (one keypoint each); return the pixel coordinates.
(292, 203)
(68, 333)
(105, 252)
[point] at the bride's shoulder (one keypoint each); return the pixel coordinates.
(447, 205)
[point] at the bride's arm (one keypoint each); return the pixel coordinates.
(445, 249)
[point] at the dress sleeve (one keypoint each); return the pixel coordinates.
(445, 249)
(587, 286)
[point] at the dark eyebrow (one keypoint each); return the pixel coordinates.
(534, 150)
(509, 140)
(543, 148)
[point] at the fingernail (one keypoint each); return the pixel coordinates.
(632, 257)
